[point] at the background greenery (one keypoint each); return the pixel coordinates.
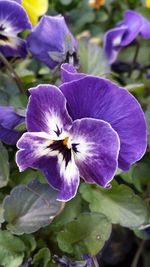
(34, 227)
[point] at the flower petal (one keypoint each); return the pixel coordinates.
(47, 110)
(145, 28)
(33, 146)
(69, 177)
(93, 97)
(69, 73)
(9, 119)
(133, 21)
(35, 152)
(112, 42)
(52, 30)
(14, 47)
(13, 17)
(35, 9)
(97, 148)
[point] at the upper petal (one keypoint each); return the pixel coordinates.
(35, 9)
(96, 150)
(145, 28)
(47, 111)
(13, 17)
(53, 32)
(69, 73)
(133, 21)
(112, 42)
(98, 98)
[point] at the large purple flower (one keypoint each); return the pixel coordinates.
(94, 97)
(13, 19)
(9, 120)
(51, 42)
(125, 32)
(76, 130)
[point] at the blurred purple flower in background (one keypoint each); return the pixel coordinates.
(13, 19)
(9, 120)
(77, 129)
(66, 262)
(52, 43)
(133, 25)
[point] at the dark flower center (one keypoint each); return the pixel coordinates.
(61, 147)
(3, 37)
(2, 28)
(72, 58)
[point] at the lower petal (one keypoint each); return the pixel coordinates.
(97, 149)
(69, 179)
(35, 153)
(15, 47)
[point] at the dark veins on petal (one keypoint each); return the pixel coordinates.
(61, 147)
(3, 37)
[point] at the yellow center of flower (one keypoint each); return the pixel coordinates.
(65, 141)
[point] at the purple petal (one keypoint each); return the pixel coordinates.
(133, 21)
(93, 97)
(16, 47)
(9, 137)
(145, 28)
(97, 149)
(69, 73)
(112, 42)
(33, 146)
(34, 152)
(53, 32)
(8, 121)
(47, 110)
(9, 118)
(13, 17)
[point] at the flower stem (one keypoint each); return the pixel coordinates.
(12, 72)
(94, 259)
(138, 254)
(137, 48)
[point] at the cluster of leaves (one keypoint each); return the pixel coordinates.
(34, 226)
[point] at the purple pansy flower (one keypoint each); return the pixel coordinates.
(65, 261)
(9, 120)
(13, 19)
(76, 130)
(125, 32)
(58, 44)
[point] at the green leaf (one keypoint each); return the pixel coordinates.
(29, 242)
(4, 166)
(91, 58)
(135, 88)
(21, 127)
(120, 204)
(42, 258)
(85, 235)
(139, 174)
(11, 250)
(30, 207)
(18, 101)
(71, 211)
